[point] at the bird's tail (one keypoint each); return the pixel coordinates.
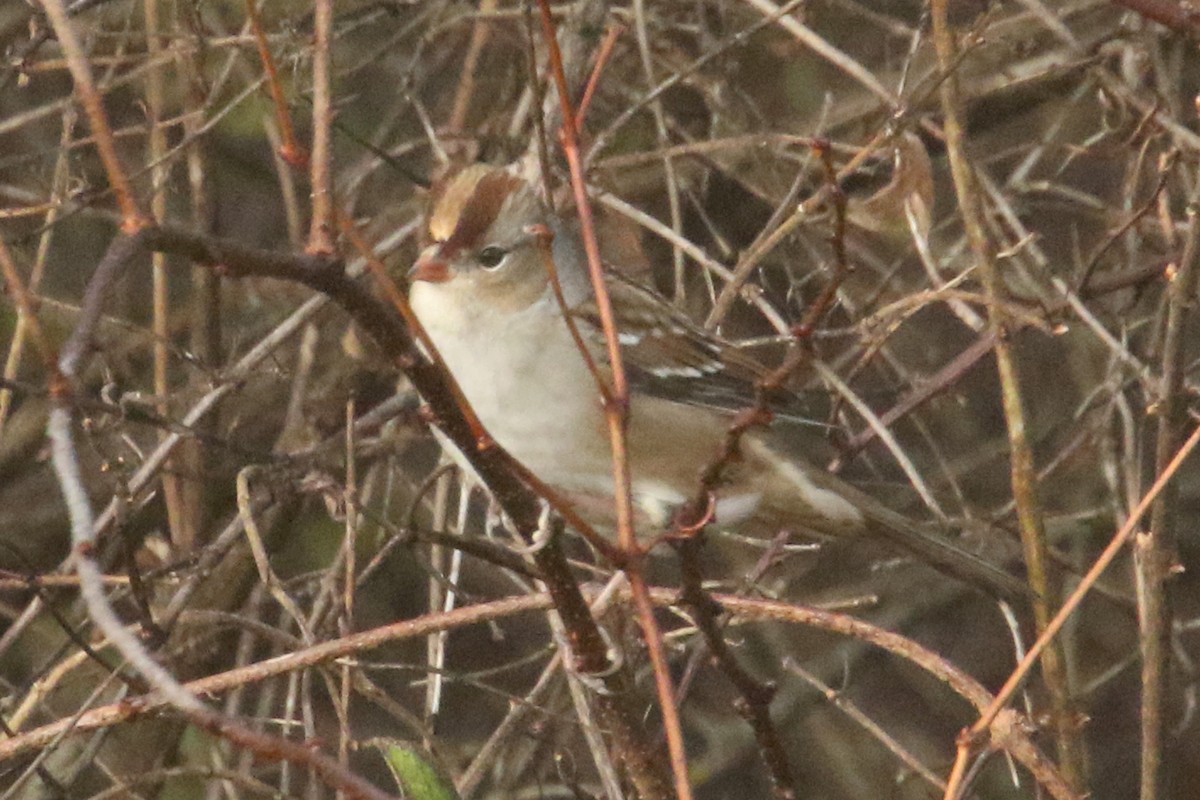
(802, 496)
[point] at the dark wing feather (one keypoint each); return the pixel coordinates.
(667, 355)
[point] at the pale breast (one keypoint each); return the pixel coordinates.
(527, 381)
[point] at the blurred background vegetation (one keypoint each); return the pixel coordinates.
(1081, 121)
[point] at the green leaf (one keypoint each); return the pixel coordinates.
(418, 778)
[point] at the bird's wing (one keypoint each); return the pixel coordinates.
(666, 354)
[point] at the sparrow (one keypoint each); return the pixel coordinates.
(512, 329)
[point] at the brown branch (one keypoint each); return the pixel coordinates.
(603, 56)
(321, 653)
(1008, 732)
(89, 96)
(1022, 671)
(616, 411)
(1042, 580)
(499, 472)
(1156, 552)
(755, 702)
(290, 149)
(320, 233)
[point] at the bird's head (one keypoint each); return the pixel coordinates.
(486, 227)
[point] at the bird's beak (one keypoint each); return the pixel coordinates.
(431, 267)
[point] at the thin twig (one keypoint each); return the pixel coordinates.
(291, 150)
(1042, 581)
(1156, 551)
(1018, 676)
(755, 702)
(616, 410)
(481, 28)
(132, 216)
(870, 726)
(322, 228)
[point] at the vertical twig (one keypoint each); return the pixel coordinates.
(660, 129)
(132, 218)
(616, 409)
(204, 307)
(1024, 475)
(180, 520)
(1156, 550)
(320, 233)
(289, 148)
(27, 307)
(480, 30)
(346, 621)
(16, 347)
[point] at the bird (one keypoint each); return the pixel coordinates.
(525, 344)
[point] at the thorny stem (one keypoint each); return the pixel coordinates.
(1024, 474)
(616, 411)
(1156, 551)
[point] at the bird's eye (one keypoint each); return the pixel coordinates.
(491, 257)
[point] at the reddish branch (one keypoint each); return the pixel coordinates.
(1009, 732)
(290, 149)
(755, 702)
(694, 516)
(759, 413)
(495, 467)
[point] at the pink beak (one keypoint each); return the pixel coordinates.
(431, 268)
